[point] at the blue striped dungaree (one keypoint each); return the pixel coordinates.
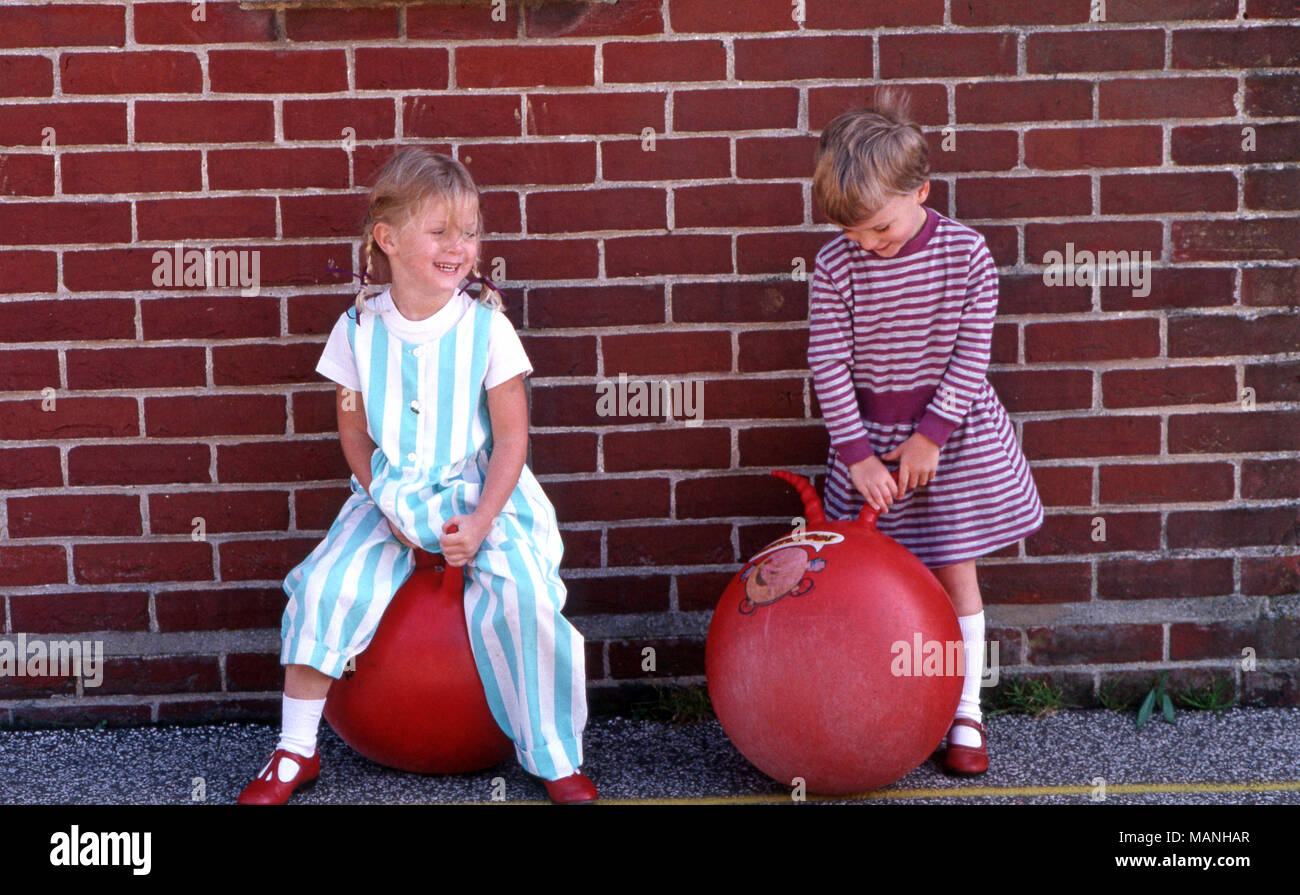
(426, 409)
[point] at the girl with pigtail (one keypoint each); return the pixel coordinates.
(433, 422)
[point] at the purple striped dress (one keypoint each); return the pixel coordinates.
(901, 344)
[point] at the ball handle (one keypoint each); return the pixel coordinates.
(868, 516)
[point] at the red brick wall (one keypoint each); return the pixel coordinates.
(129, 409)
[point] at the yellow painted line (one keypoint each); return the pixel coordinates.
(956, 792)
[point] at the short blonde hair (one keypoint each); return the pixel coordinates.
(868, 156)
(410, 178)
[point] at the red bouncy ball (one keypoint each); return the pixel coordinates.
(832, 656)
(415, 701)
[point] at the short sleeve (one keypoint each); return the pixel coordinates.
(337, 361)
(506, 355)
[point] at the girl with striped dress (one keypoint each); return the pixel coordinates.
(433, 422)
(901, 322)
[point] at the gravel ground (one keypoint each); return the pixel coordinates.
(642, 760)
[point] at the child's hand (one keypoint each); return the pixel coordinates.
(874, 482)
(398, 534)
(461, 538)
(918, 458)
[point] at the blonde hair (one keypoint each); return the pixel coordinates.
(868, 156)
(409, 179)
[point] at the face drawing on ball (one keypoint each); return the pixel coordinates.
(782, 573)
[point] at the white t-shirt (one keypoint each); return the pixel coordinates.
(506, 355)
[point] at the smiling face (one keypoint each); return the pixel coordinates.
(434, 250)
(886, 231)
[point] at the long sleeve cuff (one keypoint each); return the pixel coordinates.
(856, 450)
(935, 427)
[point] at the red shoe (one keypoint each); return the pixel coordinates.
(574, 789)
(967, 759)
(269, 789)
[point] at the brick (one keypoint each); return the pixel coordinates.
(164, 674)
(316, 508)
(1169, 385)
(1173, 287)
(1241, 431)
(277, 71)
(566, 405)
(1155, 11)
(443, 116)
(561, 355)
(219, 610)
(136, 171)
(221, 511)
(738, 205)
(1024, 391)
(562, 65)
(595, 306)
(55, 223)
(563, 452)
(1163, 579)
(442, 22)
(1028, 583)
(997, 101)
(1270, 575)
(1074, 533)
(733, 109)
(549, 259)
(617, 595)
(500, 164)
(212, 711)
(314, 412)
(24, 371)
(1272, 95)
(1121, 146)
(670, 159)
(30, 467)
(137, 464)
(33, 564)
(1249, 527)
(1225, 335)
(783, 446)
(500, 211)
(205, 317)
(596, 209)
(124, 71)
(706, 16)
(253, 671)
(68, 418)
(980, 150)
(740, 302)
(1267, 638)
(78, 613)
(1148, 193)
(26, 76)
(1273, 190)
(262, 559)
(1274, 239)
(282, 461)
(929, 103)
(39, 716)
(341, 24)
(326, 119)
(701, 590)
(566, 20)
(1270, 479)
(1219, 144)
(670, 545)
(204, 121)
(1064, 486)
(1166, 483)
(594, 113)
(675, 657)
(581, 549)
(402, 68)
(666, 255)
(34, 687)
(1251, 48)
(1023, 197)
(773, 350)
(666, 353)
(173, 23)
(1270, 286)
(1147, 98)
(189, 416)
(28, 271)
(1274, 382)
(801, 58)
(340, 215)
(761, 158)
(74, 515)
(62, 25)
(775, 253)
(674, 61)
(920, 56)
(233, 169)
(1105, 49)
(233, 217)
(265, 364)
(608, 499)
(73, 123)
(735, 495)
(132, 561)
(1092, 341)
(1088, 436)
(1089, 644)
(677, 447)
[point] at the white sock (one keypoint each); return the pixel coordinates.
(301, 720)
(972, 635)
